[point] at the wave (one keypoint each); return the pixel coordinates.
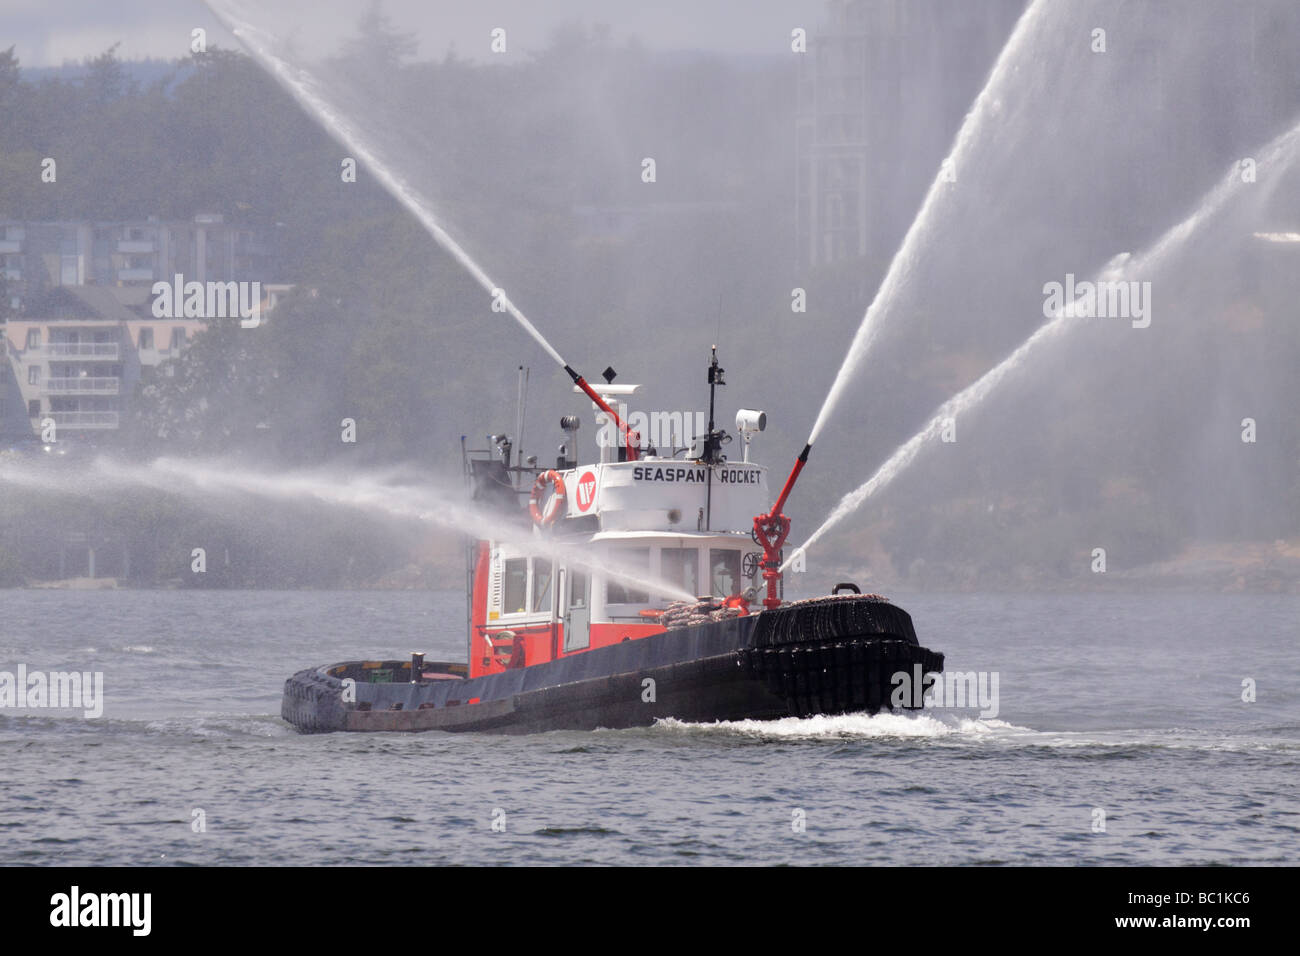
(842, 726)
(989, 732)
(30, 722)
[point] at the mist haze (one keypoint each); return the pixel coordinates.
(774, 171)
(288, 286)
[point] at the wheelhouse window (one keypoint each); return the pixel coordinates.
(577, 590)
(514, 590)
(632, 560)
(541, 585)
(681, 566)
(724, 570)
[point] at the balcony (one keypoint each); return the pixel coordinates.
(134, 275)
(11, 246)
(82, 386)
(84, 419)
(95, 351)
(135, 245)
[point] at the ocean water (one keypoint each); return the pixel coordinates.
(1121, 737)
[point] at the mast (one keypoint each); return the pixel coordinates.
(470, 548)
(519, 416)
(713, 441)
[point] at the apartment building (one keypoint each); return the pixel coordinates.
(127, 254)
(76, 353)
(78, 327)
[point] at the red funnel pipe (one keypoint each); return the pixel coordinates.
(631, 439)
(770, 531)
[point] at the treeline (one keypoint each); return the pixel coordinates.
(535, 167)
(214, 134)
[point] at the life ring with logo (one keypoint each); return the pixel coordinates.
(556, 503)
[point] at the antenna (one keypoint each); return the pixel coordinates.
(522, 410)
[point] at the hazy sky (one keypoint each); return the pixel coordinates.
(49, 34)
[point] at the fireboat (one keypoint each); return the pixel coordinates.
(558, 643)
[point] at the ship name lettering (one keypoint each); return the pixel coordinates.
(726, 476)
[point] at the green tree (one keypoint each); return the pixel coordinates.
(376, 42)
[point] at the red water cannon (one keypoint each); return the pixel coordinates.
(770, 531)
(631, 439)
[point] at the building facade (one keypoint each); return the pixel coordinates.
(79, 328)
(882, 91)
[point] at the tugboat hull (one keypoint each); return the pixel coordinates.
(825, 656)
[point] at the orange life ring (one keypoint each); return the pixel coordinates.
(555, 505)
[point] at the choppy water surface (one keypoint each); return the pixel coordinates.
(1127, 704)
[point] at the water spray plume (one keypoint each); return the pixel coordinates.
(1282, 150)
(304, 88)
(425, 504)
(210, 482)
(902, 266)
(900, 269)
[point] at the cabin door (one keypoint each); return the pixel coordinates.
(577, 613)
